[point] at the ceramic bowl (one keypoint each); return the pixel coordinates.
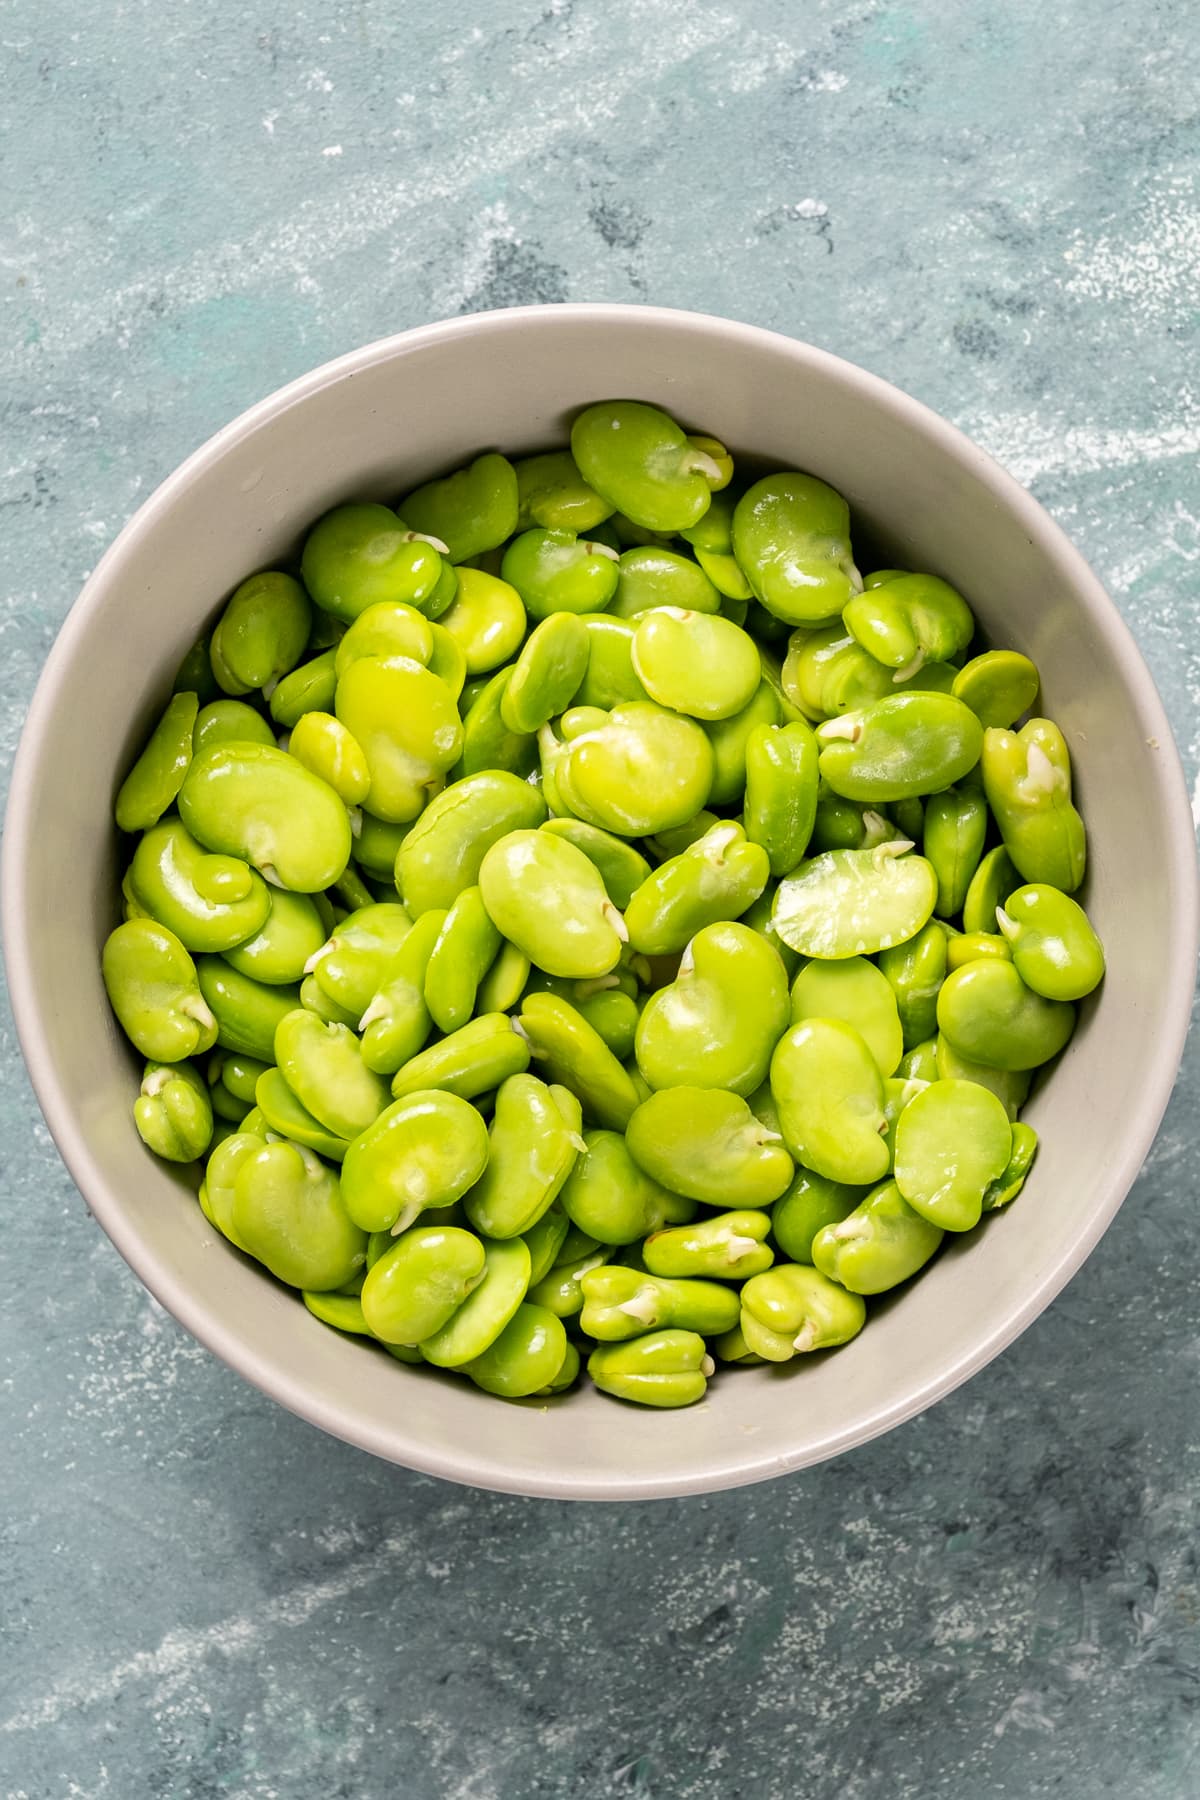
(374, 423)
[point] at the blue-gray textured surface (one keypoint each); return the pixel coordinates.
(996, 206)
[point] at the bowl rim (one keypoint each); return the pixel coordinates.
(386, 1438)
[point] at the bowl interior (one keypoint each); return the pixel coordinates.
(371, 426)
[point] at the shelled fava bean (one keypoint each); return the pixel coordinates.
(580, 919)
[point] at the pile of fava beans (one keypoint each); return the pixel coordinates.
(578, 918)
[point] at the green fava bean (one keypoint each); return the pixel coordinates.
(916, 970)
(1054, 949)
(251, 801)
(239, 1076)
(442, 854)
(488, 744)
(532, 1151)
(352, 965)
(377, 844)
(989, 1015)
(791, 1309)
(280, 951)
(209, 902)
(559, 1291)
(621, 1303)
(487, 620)
(314, 999)
(811, 1203)
(730, 1246)
(622, 868)
(407, 724)
(956, 822)
(552, 492)
(909, 621)
(554, 572)
(953, 1140)
(649, 578)
(173, 1112)
(612, 1200)
(488, 1308)
(546, 897)
(310, 688)
(643, 771)
(545, 1240)
(424, 1150)
(829, 1092)
(730, 738)
(827, 672)
(417, 1286)
(229, 722)
(284, 1113)
(558, 1035)
(909, 815)
(678, 838)
(609, 678)
(638, 458)
(349, 894)
(758, 917)
(921, 1062)
(448, 661)
(323, 1066)
(791, 537)
(614, 1015)
(974, 946)
(855, 902)
(288, 1214)
(898, 1091)
(718, 1022)
(663, 1368)
(915, 743)
(858, 994)
(358, 556)
(998, 686)
(155, 779)
(547, 674)
(731, 1347)
(341, 1311)
(472, 1060)
(1010, 1086)
(707, 1144)
(323, 744)
(389, 628)
(465, 949)
(881, 1243)
(1007, 1186)
(715, 878)
(502, 986)
(472, 511)
(397, 1021)
(194, 674)
(217, 1189)
(781, 791)
(1027, 779)
(848, 825)
(526, 1357)
(262, 633)
(246, 1011)
(152, 986)
(707, 668)
(993, 881)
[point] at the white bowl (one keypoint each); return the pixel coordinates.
(371, 425)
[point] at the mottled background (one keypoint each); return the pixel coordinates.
(992, 202)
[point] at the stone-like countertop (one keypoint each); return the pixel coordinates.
(994, 205)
